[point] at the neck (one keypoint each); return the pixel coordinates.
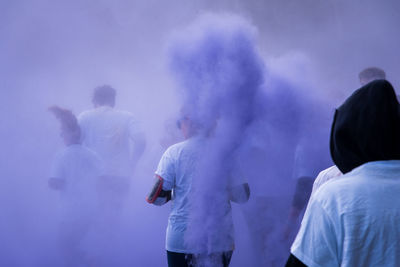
(104, 105)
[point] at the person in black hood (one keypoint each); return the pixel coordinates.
(353, 220)
(366, 127)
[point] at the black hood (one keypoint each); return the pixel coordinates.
(366, 127)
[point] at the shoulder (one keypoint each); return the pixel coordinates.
(338, 192)
(187, 147)
(87, 152)
(326, 175)
(176, 148)
(123, 113)
(86, 114)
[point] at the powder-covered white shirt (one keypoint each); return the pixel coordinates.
(325, 176)
(110, 133)
(80, 168)
(177, 167)
(353, 220)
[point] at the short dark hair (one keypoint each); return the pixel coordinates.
(104, 95)
(68, 121)
(372, 73)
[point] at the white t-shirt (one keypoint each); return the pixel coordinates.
(177, 167)
(79, 167)
(325, 176)
(110, 133)
(354, 220)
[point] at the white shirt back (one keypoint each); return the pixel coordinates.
(177, 167)
(353, 220)
(80, 168)
(110, 133)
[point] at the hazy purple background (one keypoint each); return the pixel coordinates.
(56, 52)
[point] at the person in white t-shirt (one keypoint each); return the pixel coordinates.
(324, 176)
(365, 76)
(117, 138)
(74, 174)
(353, 220)
(174, 176)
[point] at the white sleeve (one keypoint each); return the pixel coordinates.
(316, 243)
(166, 169)
(325, 176)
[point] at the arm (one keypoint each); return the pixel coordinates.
(240, 193)
(157, 195)
(164, 180)
(294, 262)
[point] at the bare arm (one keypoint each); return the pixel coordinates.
(157, 195)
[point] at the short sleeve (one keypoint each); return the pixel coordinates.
(166, 169)
(325, 176)
(316, 243)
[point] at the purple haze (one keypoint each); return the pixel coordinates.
(56, 52)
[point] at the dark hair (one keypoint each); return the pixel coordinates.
(372, 73)
(67, 119)
(104, 95)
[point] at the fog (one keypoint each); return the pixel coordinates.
(56, 52)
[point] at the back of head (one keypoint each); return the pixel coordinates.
(370, 74)
(366, 127)
(104, 96)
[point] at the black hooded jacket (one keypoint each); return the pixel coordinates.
(366, 127)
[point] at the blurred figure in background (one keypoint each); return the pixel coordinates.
(306, 185)
(174, 175)
(75, 172)
(171, 134)
(285, 156)
(311, 155)
(117, 138)
(353, 220)
(219, 74)
(366, 76)
(370, 74)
